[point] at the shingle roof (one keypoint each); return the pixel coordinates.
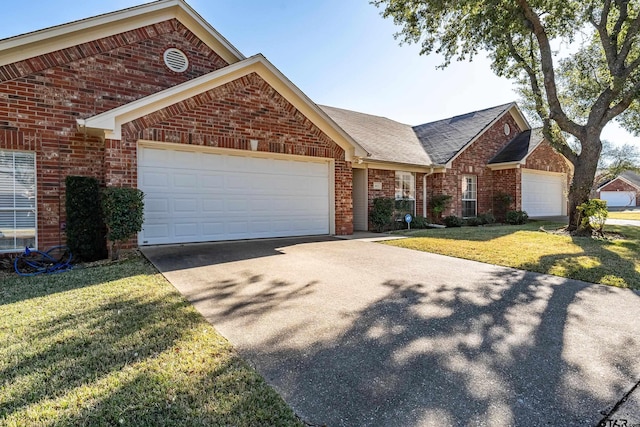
(383, 138)
(443, 139)
(519, 147)
(632, 177)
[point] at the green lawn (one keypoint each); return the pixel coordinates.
(635, 215)
(612, 262)
(117, 345)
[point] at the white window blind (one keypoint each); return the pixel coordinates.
(17, 200)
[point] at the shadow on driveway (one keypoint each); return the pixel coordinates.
(354, 333)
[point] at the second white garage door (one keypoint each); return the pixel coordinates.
(619, 198)
(543, 193)
(203, 196)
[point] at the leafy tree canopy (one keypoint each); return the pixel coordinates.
(577, 62)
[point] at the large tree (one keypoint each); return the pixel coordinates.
(576, 61)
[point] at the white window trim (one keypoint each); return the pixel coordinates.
(34, 209)
(464, 186)
(413, 190)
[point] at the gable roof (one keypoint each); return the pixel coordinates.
(629, 177)
(383, 138)
(109, 124)
(444, 139)
(519, 148)
(25, 46)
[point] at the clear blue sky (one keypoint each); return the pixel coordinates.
(339, 52)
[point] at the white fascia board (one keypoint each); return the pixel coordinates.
(407, 167)
(449, 164)
(109, 124)
(621, 178)
(63, 36)
(505, 165)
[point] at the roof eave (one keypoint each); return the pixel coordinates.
(109, 124)
(505, 165)
(25, 46)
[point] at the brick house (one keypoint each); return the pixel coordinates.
(471, 157)
(622, 191)
(224, 147)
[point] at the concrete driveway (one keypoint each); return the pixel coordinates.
(355, 333)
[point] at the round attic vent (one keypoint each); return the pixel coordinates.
(507, 129)
(176, 60)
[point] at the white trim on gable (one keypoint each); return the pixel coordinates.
(517, 115)
(108, 125)
(622, 178)
(19, 48)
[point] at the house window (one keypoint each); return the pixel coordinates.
(406, 191)
(17, 200)
(469, 196)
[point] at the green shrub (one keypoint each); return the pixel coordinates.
(453, 221)
(419, 222)
(85, 228)
(593, 214)
(438, 203)
(381, 215)
(123, 214)
(517, 217)
(501, 203)
(473, 221)
(487, 218)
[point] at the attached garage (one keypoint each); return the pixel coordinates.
(201, 195)
(543, 193)
(619, 198)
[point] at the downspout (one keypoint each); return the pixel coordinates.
(424, 192)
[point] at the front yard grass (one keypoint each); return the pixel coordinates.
(633, 215)
(613, 262)
(117, 345)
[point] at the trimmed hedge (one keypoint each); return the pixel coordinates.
(123, 209)
(85, 228)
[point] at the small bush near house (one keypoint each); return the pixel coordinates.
(501, 203)
(381, 215)
(516, 217)
(593, 214)
(123, 213)
(85, 228)
(453, 221)
(419, 222)
(438, 203)
(473, 221)
(487, 218)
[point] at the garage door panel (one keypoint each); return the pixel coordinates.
(191, 197)
(619, 198)
(543, 194)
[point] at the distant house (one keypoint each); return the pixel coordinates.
(226, 147)
(622, 191)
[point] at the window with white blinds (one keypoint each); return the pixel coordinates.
(17, 200)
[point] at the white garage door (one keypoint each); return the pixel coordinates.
(543, 193)
(202, 196)
(619, 198)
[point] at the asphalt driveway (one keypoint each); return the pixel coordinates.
(355, 333)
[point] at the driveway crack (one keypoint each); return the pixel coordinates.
(607, 417)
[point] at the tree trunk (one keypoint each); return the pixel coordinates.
(583, 176)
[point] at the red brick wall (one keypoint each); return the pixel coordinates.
(545, 158)
(228, 117)
(41, 98)
(473, 161)
(620, 185)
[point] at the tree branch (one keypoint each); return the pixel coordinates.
(627, 44)
(556, 112)
(624, 103)
(563, 148)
